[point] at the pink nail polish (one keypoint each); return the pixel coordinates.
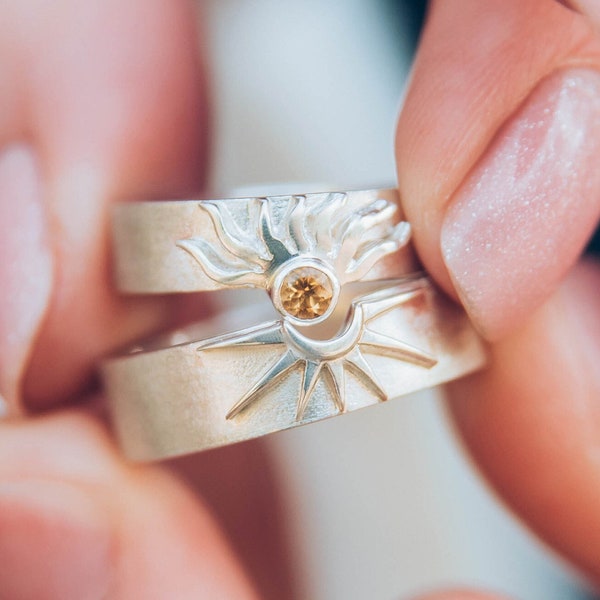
(25, 265)
(527, 209)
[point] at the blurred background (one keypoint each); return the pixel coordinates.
(382, 503)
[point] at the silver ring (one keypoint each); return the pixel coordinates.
(351, 323)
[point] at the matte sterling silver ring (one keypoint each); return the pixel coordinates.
(351, 321)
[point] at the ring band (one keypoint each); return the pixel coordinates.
(352, 323)
(148, 237)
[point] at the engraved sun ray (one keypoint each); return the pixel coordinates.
(356, 363)
(283, 364)
(335, 373)
(310, 378)
(329, 360)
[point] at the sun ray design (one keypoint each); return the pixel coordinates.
(335, 372)
(356, 363)
(302, 249)
(329, 360)
(285, 362)
(259, 235)
(310, 377)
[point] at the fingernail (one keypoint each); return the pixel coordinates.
(25, 265)
(55, 542)
(526, 211)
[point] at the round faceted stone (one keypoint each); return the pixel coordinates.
(306, 293)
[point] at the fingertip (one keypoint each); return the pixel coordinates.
(531, 419)
(77, 522)
(117, 107)
(498, 218)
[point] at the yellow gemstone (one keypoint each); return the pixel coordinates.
(306, 293)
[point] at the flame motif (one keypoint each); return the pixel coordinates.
(275, 229)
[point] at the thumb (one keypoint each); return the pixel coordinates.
(98, 101)
(497, 151)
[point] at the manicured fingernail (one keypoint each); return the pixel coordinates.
(25, 265)
(55, 542)
(528, 208)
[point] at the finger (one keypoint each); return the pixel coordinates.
(497, 149)
(532, 419)
(239, 483)
(75, 522)
(100, 101)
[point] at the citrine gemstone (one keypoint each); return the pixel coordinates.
(306, 293)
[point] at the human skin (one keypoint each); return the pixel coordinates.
(496, 147)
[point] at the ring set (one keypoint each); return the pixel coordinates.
(351, 320)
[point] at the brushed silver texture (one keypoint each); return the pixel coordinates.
(329, 359)
(175, 400)
(191, 245)
(380, 331)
